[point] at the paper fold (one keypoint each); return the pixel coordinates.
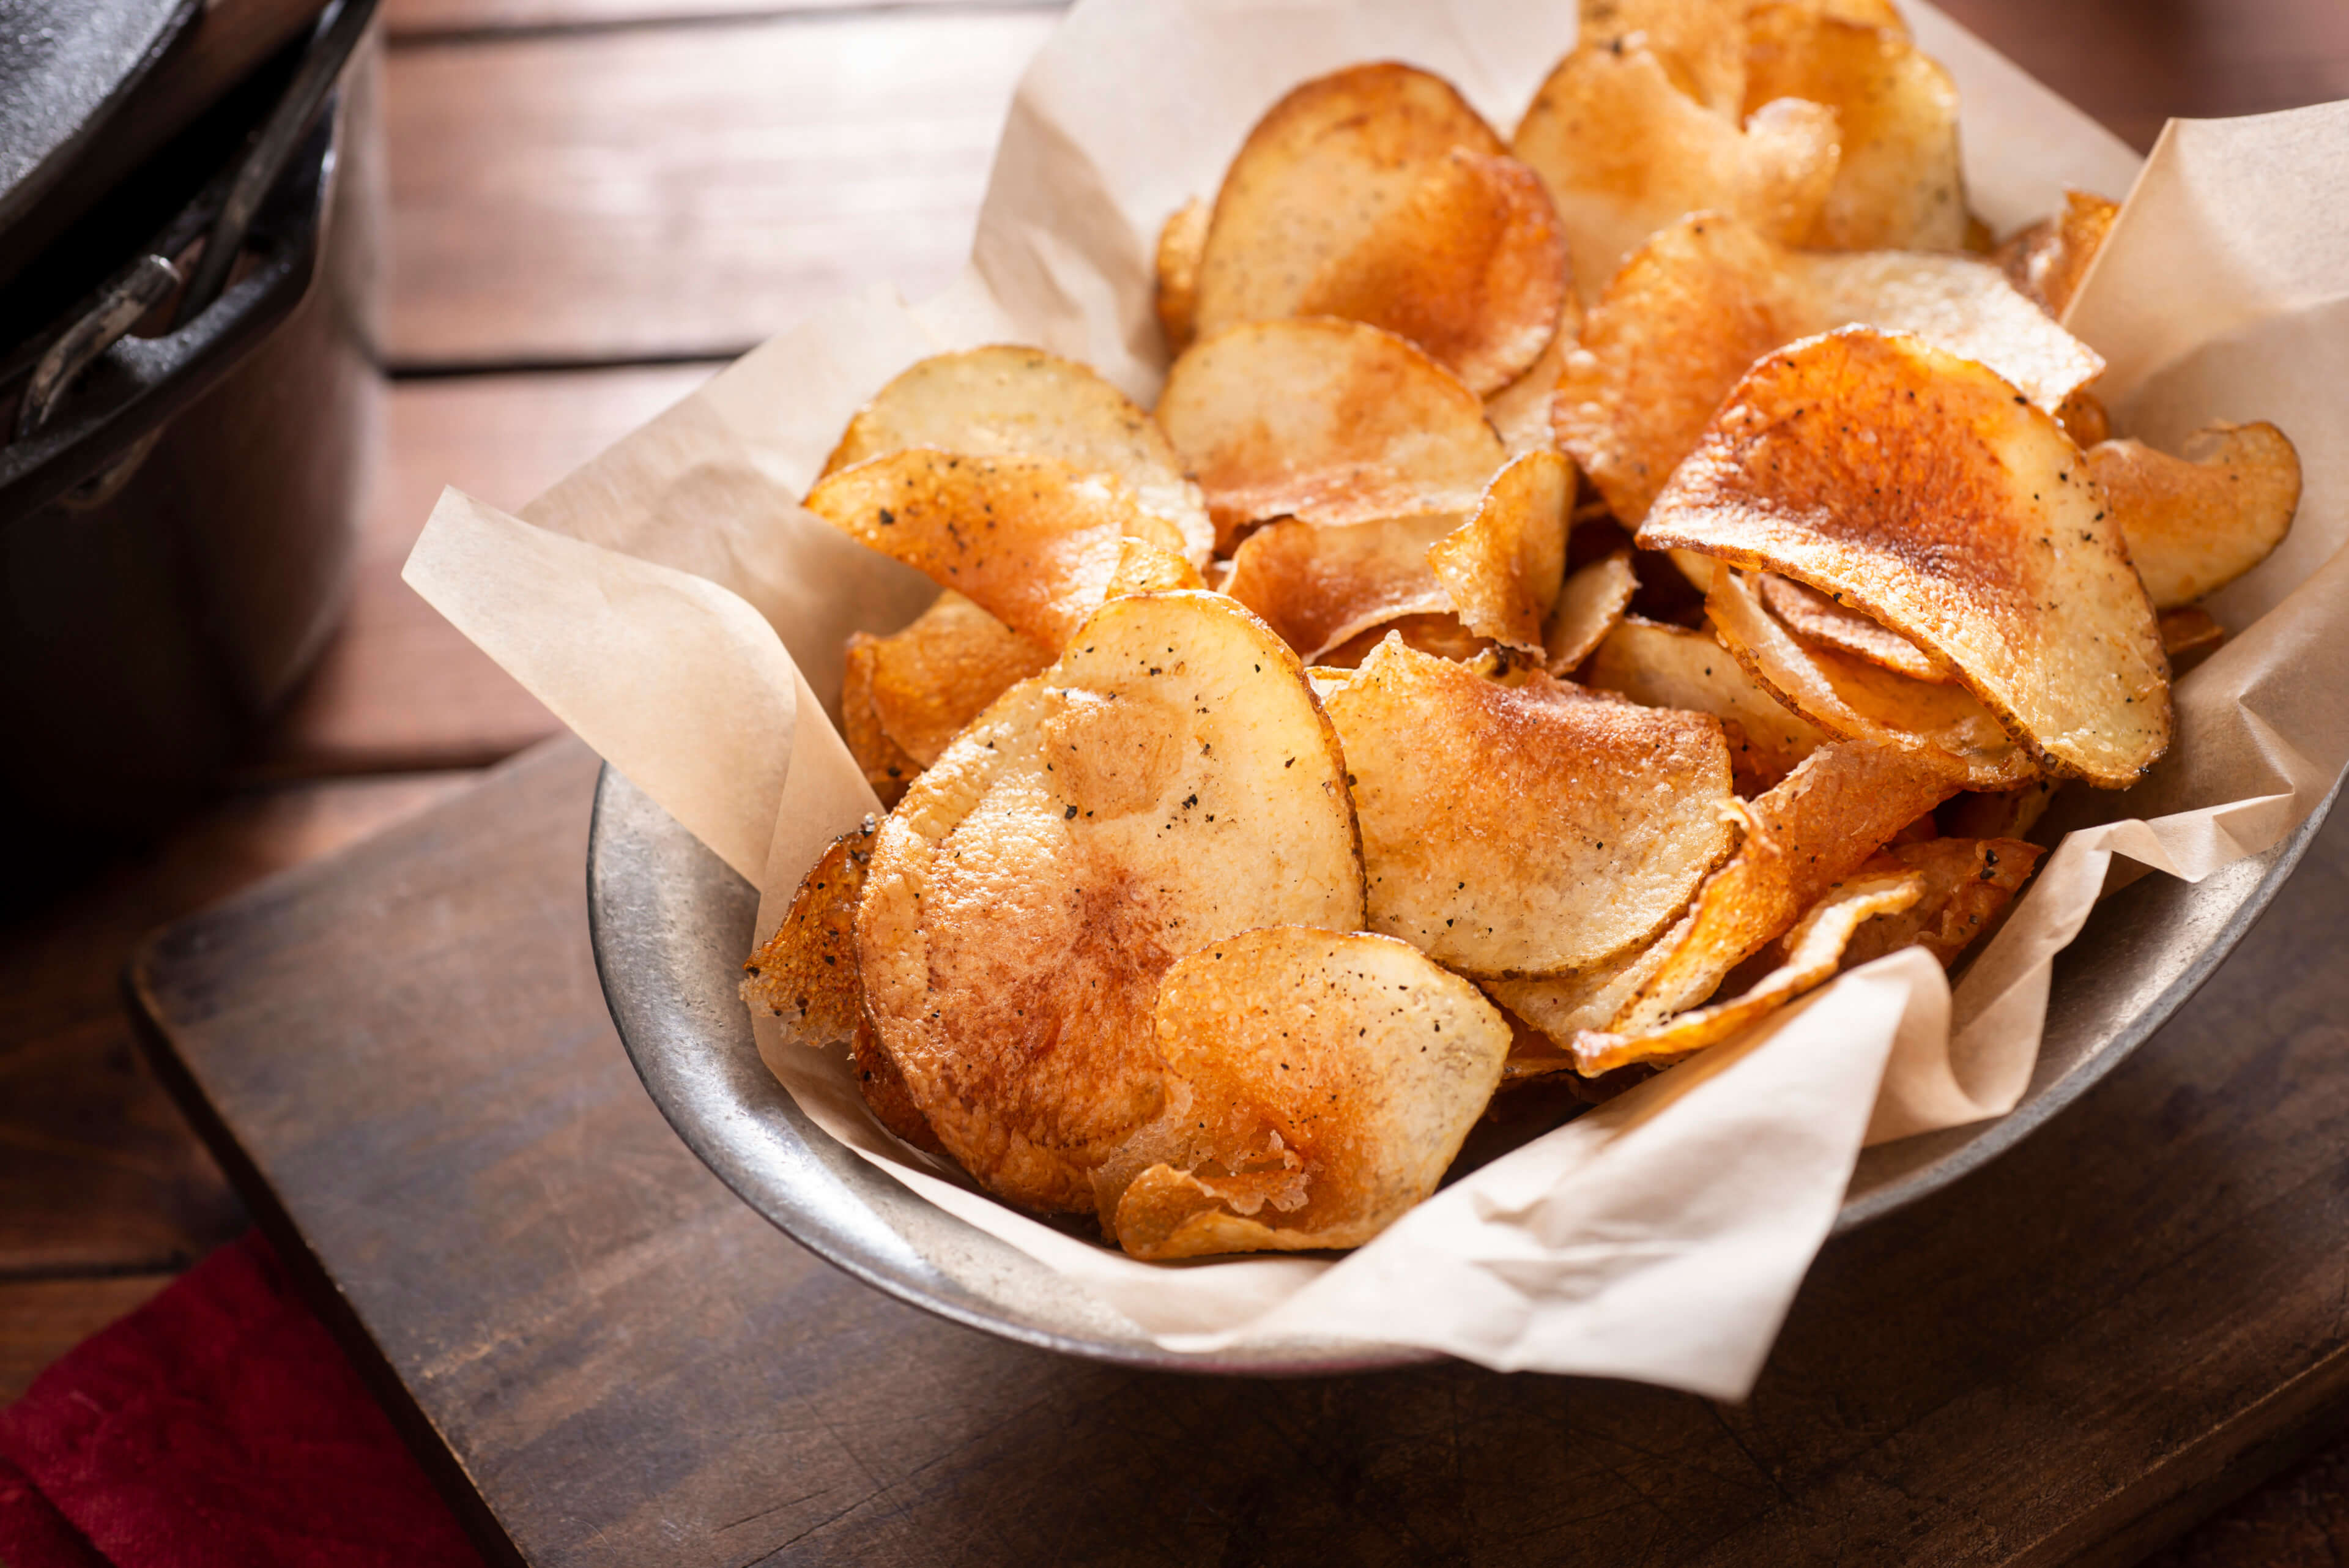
(672, 603)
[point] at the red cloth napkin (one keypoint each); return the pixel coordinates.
(217, 1427)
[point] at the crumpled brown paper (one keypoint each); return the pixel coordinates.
(674, 605)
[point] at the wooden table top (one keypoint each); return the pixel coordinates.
(593, 202)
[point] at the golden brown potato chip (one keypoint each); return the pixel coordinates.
(805, 975)
(1493, 816)
(1008, 400)
(1325, 420)
(1032, 542)
(884, 1092)
(1437, 634)
(1558, 1010)
(1687, 315)
(2196, 523)
(2049, 260)
(2189, 631)
(1318, 174)
(1504, 566)
(1520, 410)
(1820, 621)
(1181, 244)
(1317, 1086)
(1814, 951)
(1922, 489)
(2084, 418)
(1469, 264)
(1144, 568)
(1866, 13)
(1319, 586)
(1803, 837)
(1701, 43)
(1701, 301)
(1942, 725)
(1967, 881)
(885, 765)
(1168, 783)
(931, 679)
(1590, 606)
(1625, 153)
(1899, 183)
(1672, 667)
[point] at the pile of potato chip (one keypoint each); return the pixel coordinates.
(1573, 595)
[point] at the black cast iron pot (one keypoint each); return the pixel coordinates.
(178, 527)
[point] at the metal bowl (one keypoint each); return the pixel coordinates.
(671, 922)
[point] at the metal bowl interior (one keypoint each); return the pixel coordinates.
(670, 923)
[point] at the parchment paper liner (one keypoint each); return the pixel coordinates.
(673, 605)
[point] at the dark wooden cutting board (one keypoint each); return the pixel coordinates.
(403, 1057)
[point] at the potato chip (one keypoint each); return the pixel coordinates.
(2048, 261)
(932, 679)
(2189, 631)
(885, 765)
(2084, 418)
(1589, 607)
(1317, 1086)
(1438, 635)
(1325, 420)
(1866, 13)
(1012, 401)
(805, 975)
(1672, 667)
(1504, 566)
(1687, 315)
(1520, 410)
(1967, 882)
(1492, 815)
(1899, 183)
(1700, 43)
(1469, 264)
(1032, 542)
(1942, 725)
(1168, 783)
(1559, 1009)
(1703, 43)
(1957, 303)
(1820, 621)
(1706, 297)
(1144, 568)
(1318, 174)
(1181, 244)
(1318, 586)
(2196, 523)
(1625, 153)
(1815, 948)
(1803, 837)
(884, 1092)
(1922, 489)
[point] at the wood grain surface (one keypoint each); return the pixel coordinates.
(2062, 1358)
(685, 192)
(99, 1178)
(40, 1320)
